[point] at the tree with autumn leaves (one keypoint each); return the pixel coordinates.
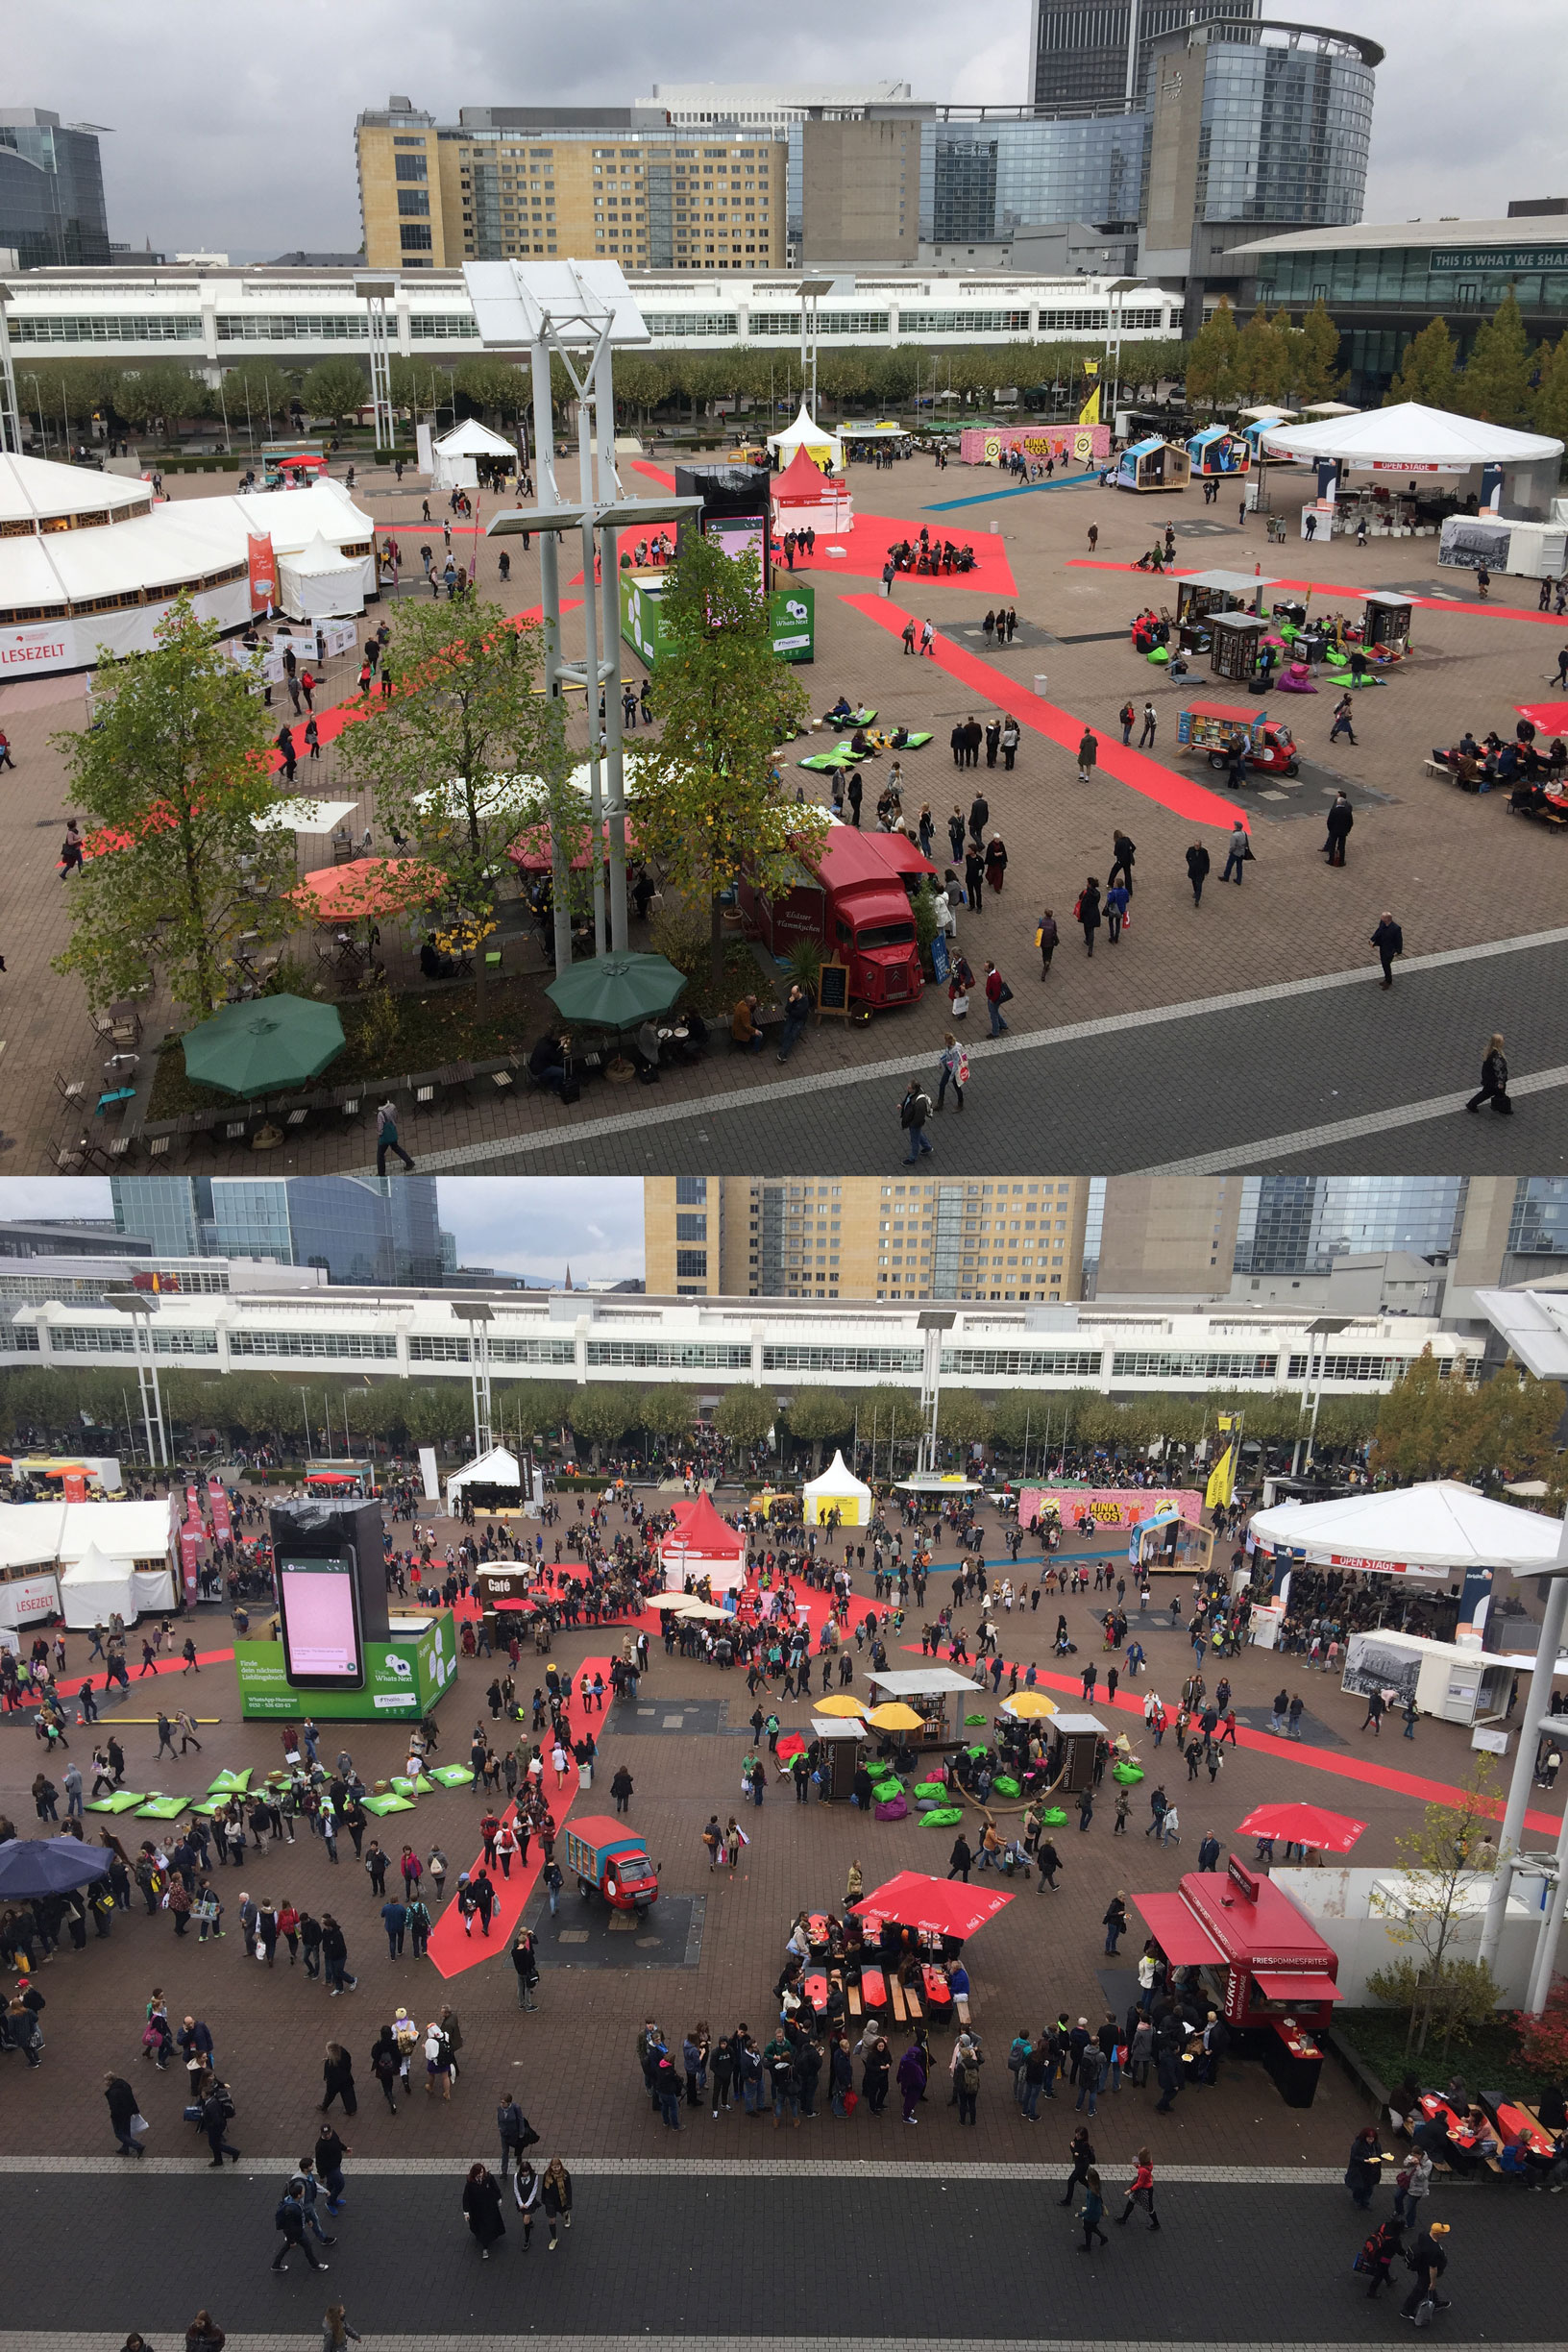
(1495, 1433)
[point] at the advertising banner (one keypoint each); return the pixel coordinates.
(430, 1474)
(791, 614)
(75, 1485)
(190, 1554)
(263, 571)
(1108, 1506)
(1084, 445)
(403, 1679)
(223, 1525)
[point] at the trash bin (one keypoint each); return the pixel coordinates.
(1042, 681)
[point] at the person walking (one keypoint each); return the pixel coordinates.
(1115, 911)
(1197, 871)
(387, 1135)
(1123, 851)
(1045, 940)
(337, 2335)
(1128, 719)
(1141, 2191)
(1092, 2213)
(914, 1109)
(1088, 753)
(217, 2111)
(998, 993)
(909, 634)
(928, 641)
(1390, 941)
(1340, 819)
(1429, 2261)
(1494, 1081)
(1238, 854)
(123, 2112)
(1093, 537)
(481, 2209)
(557, 2197)
(289, 2222)
(1087, 913)
(1011, 736)
(1344, 714)
(1145, 741)
(953, 1070)
(526, 1964)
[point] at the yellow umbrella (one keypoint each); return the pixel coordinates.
(1029, 1702)
(894, 1716)
(842, 1703)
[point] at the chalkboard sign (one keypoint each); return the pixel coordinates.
(833, 990)
(939, 958)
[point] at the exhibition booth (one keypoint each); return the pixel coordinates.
(805, 498)
(1408, 469)
(86, 1560)
(320, 582)
(825, 450)
(700, 1544)
(454, 456)
(1153, 465)
(88, 559)
(492, 1481)
(838, 1489)
(1062, 445)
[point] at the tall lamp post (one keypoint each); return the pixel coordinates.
(479, 1317)
(376, 293)
(139, 1307)
(934, 1322)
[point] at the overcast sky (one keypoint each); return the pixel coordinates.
(235, 132)
(535, 1225)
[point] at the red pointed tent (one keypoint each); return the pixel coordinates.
(801, 482)
(701, 1544)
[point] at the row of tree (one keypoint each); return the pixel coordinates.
(1270, 358)
(1500, 1432)
(1505, 378)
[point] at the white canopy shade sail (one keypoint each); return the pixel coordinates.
(1412, 435)
(1443, 1529)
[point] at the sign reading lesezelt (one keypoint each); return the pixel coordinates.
(403, 1679)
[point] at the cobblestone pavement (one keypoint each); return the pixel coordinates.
(572, 2062)
(755, 2263)
(1458, 871)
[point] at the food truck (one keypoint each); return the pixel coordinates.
(852, 896)
(1216, 729)
(606, 1858)
(1260, 1962)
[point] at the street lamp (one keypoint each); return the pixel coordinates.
(138, 1305)
(1321, 1326)
(478, 1315)
(812, 290)
(1114, 292)
(376, 293)
(934, 1322)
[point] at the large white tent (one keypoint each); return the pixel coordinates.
(455, 451)
(42, 1543)
(805, 433)
(93, 1587)
(88, 559)
(1441, 1530)
(837, 1489)
(500, 1467)
(320, 582)
(1411, 435)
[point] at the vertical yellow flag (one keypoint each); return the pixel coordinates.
(1221, 1487)
(1090, 412)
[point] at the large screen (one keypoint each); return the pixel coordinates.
(322, 1646)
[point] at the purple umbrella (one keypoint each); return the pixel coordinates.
(48, 1866)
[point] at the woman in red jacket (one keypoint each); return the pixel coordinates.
(1141, 2191)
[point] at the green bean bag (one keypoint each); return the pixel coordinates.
(943, 1817)
(932, 1788)
(230, 1783)
(121, 1801)
(1127, 1774)
(161, 1809)
(1004, 1785)
(424, 1787)
(974, 1751)
(970, 1721)
(453, 1776)
(1158, 655)
(388, 1804)
(1053, 1817)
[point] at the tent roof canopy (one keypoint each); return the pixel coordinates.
(700, 1533)
(806, 434)
(319, 558)
(500, 1467)
(836, 1479)
(472, 439)
(1410, 435)
(35, 486)
(1440, 1528)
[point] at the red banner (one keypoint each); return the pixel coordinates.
(223, 1526)
(264, 570)
(190, 1549)
(75, 1485)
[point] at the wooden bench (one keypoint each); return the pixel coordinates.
(1435, 767)
(912, 2002)
(961, 2007)
(896, 1997)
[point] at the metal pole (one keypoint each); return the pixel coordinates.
(141, 1391)
(1524, 1762)
(1548, 1931)
(547, 494)
(615, 794)
(593, 683)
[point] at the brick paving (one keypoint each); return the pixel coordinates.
(1457, 869)
(573, 2060)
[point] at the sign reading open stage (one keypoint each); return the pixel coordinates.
(1111, 1506)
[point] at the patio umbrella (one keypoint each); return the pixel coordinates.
(842, 1703)
(368, 886)
(942, 1906)
(1028, 1704)
(48, 1866)
(616, 992)
(264, 1045)
(676, 1600)
(1303, 1825)
(894, 1716)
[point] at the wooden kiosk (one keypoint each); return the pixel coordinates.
(1235, 644)
(938, 1695)
(1389, 618)
(844, 1743)
(1154, 465)
(1074, 1743)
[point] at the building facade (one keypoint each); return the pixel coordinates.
(1096, 52)
(1382, 281)
(866, 1237)
(52, 211)
(355, 1229)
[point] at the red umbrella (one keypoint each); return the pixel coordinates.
(1303, 1825)
(943, 1906)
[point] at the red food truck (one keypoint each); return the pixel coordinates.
(1261, 1964)
(853, 898)
(606, 1858)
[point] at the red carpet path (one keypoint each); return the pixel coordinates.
(999, 687)
(1320, 588)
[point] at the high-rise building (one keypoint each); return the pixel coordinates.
(358, 1229)
(51, 190)
(621, 182)
(1095, 54)
(1301, 1224)
(865, 1237)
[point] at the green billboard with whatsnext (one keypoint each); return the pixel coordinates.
(405, 1678)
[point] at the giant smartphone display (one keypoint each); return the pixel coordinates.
(319, 1604)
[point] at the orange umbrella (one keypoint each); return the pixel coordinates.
(368, 886)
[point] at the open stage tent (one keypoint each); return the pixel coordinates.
(701, 1544)
(499, 1468)
(837, 1487)
(1440, 1529)
(1412, 435)
(455, 451)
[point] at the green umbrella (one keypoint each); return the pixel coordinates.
(616, 992)
(258, 1047)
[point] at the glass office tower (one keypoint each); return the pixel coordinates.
(51, 190)
(1301, 1224)
(358, 1229)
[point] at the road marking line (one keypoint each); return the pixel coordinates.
(1029, 1041)
(705, 2167)
(1268, 1150)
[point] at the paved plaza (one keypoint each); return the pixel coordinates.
(1195, 1013)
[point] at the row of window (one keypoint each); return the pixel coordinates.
(650, 1354)
(22, 616)
(107, 327)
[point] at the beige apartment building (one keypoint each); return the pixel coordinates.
(566, 180)
(865, 1237)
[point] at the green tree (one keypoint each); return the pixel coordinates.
(176, 767)
(1421, 1429)
(1212, 359)
(963, 1418)
(816, 1413)
(888, 1419)
(1512, 1424)
(1495, 383)
(600, 1413)
(1425, 1906)
(745, 1415)
(1318, 374)
(337, 389)
(712, 802)
(1262, 359)
(466, 753)
(257, 393)
(667, 1412)
(162, 393)
(1550, 414)
(489, 382)
(1426, 372)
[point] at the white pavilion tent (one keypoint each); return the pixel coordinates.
(805, 433)
(1437, 1531)
(1422, 444)
(500, 1467)
(837, 1488)
(320, 582)
(455, 454)
(93, 1587)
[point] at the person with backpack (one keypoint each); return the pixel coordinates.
(217, 2111)
(969, 2059)
(1127, 718)
(914, 1109)
(1429, 2261)
(289, 2222)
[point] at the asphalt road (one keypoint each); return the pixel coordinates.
(740, 2256)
